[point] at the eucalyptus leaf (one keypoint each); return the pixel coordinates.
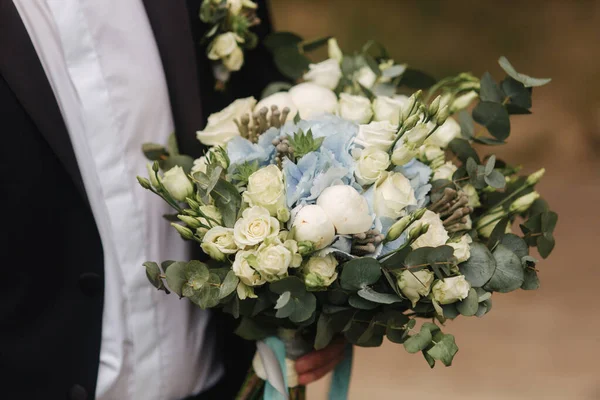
(176, 277)
(468, 306)
(497, 233)
(227, 200)
(368, 293)
(490, 164)
(430, 360)
(516, 244)
(545, 245)
(172, 145)
(466, 127)
(250, 330)
(519, 95)
(291, 284)
(495, 179)
(154, 152)
(418, 341)
(208, 295)
(153, 273)
(181, 160)
(287, 309)
(360, 272)
(531, 280)
(444, 350)
(283, 299)
(415, 79)
(494, 117)
(490, 91)
(509, 272)
(526, 80)
(480, 267)
(196, 274)
(304, 307)
(281, 39)
(314, 44)
(450, 311)
(360, 303)
(291, 62)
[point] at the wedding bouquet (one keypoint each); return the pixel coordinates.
(339, 206)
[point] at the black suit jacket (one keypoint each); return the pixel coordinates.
(53, 275)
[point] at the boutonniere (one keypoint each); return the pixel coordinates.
(229, 35)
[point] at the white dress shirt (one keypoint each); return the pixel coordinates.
(103, 65)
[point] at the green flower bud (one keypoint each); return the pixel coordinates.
(442, 115)
(410, 122)
(155, 166)
(305, 247)
(283, 214)
(523, 203)
(419, 213)
(152, 175)
(535, 177)
(145, 183)
(398, 227)
(435, 106)
(190, 221)
(185, 233)
(192, 203)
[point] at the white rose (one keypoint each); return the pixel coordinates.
(312, 99)
(177, 183)
(326, 73)
(214, 218)
(451, 290)
(272, 261)
(388, 108)
(393, 193)
(355, 108)
(200, 165)
(219, 241)
(223, 45)
(445, 171)
(235, 60)
(523, 203)
(372, 162)
(472, 194)
(334, 51)
(403, 153)
(311, 224)
(221, 126)
(443, 135)
(366, 77)
(266, 189)
(281, 100)
(415, 284)
(242, 269)
(379, 134)
(255, 226)
(462, 250)
(346, 208)
(435, 236)
(320, 272)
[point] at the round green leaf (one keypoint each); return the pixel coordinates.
(360, 272)
(526, 80)
(291, 284)
(290, 61)
(516, 244)
(368, 293)
(450, 311)
(176, 277)
(531, 280)
(494, 117)
(281, 39)
(304, 307)
(468, 307)
(489, 90)
(418, 341)
(196, 274)
(480, 267)
(509, 273)
(362, 304)
(444, 350)
(229, 285)
(208, 295)
(283, 299)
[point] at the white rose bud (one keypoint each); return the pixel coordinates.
(273, 261)
(371, 163)
(472, 194)
(415, 284)
(326, 73)
(444, 134)
(266, 189)
(417, 135)
(346, 208)
(462, 248)
(254, 227)
(334, 51)
(379, 134)
(393, 193)
(223, 45)
(445, 171)
(355, 108)
(312, 225)
(221, 126)
(451, 290)
(435, 236)
(429, 153)
(313, 100)
(242, 269)
(463, 101)
(177, 183)
(218, 241)
(245, 291)
(523, 203)
(403, 154)
(235, 60)
(535, 177)
(320, 272)
(388, 108)
(366, 77)
(152, 175)
(281, 100)
(200, 165)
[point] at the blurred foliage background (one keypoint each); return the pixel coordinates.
(534, 345)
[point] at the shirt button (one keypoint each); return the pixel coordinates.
(77, 392)
(90, 283)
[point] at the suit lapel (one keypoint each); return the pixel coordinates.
(21, 68)
(171, 26)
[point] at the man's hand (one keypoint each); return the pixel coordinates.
(317, 364)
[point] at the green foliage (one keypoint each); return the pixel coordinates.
(480, 267)
(490, 91)
(526, 80)
(329, 325)
(518, 94)
(444, 350)
(494, 117)
(469, 306)
(294, 301)
(422, 339)
(251, 330)
(228, 200)
(482, 176)
(304, 143)
(415, 79)
(509, 274)
(176, 277)
(368, 293)
(539, 231)
(440, 259)
(181, 160)
(290, 61)
(229, 285)
(153, 273)
(360, 303)
(154, 152)
(359, 273)
(463, 150)
(242, 172)
(281, 39)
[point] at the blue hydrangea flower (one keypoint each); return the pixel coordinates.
(241, 150)
(419, 175)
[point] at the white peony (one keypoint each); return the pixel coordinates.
(435, 236)
(393, 193)
(346, 208)
(312, 99)
(221, 126)
(320, 272)
(355, 108)
(326, 73)
(365, 76)
(255, 226)
(388, 108)
(450, 290)
(177, 183)
(371, 163)
(334, 51)
(242, 269)
(444, 134)
(415, 284)
(281, 100)
(462, 248)
(445, 171)
(273, 260)
(311, 224)
(218, 241)
(266, 189)
(379, 134)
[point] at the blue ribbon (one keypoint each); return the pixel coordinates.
(340, 382)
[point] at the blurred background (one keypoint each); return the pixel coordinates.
(534, 345)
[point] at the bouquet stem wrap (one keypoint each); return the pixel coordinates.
(277, 356)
